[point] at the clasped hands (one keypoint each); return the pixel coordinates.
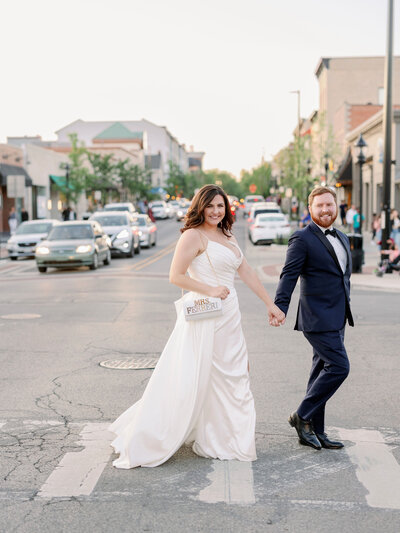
(276, 316)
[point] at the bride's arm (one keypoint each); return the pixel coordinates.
(249, 276)
(188, 247)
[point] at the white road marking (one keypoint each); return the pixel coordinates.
(231, 482)
(377, 469)
(78, 472)
(2, 424)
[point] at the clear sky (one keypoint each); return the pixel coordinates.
(217, 73)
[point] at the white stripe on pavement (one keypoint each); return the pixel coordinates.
(231, 482)
(376, 467)
(2, 424)
(78, 472)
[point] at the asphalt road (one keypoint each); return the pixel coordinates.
(57, 402)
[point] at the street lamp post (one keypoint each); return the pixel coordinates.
(360, 144)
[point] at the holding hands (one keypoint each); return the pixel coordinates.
(276, 316)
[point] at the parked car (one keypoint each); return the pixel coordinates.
(249, 201)
(260, 208)
(267, 227)
(74, 244)
(160, 209)
(122, 229)
(120, 206)
(27, 236)
(147, 230)
(175, 205)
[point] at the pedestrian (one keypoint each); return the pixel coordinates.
(72, 214)
(357, 221)
(350, 217)
(24, 215)
(320, 256)
(65, 213)
(12, 221)
(343, 207)
(199, 390)
(305, 218)
(395, 227)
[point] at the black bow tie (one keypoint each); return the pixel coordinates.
(331, 232)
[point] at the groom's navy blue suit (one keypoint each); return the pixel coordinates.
(324, 306)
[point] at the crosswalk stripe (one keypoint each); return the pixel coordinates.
(78, 472)
(231, 482)
(376, 467)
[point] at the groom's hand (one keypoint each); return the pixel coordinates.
(276, 316)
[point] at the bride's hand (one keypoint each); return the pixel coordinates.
(219, 292)
(276, 316)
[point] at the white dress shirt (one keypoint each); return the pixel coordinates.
(337, 245)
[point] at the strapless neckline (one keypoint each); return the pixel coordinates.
(229, 250)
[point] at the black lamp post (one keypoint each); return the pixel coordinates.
(360, 144)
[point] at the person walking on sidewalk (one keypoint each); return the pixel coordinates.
(350, 217)
(320, 256)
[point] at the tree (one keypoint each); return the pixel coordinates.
(76, 171)
(260, 176)
(225, 180)
(134, 180)
(103, 176)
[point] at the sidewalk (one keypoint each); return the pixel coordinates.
(270, 271)
(3, 240)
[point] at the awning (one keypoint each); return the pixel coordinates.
(61, 181)
(345, 170)
(13, 170)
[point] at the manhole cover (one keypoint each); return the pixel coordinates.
(20, 316)
(131, 363)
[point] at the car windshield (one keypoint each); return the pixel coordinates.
(252, 200)
(112, 220)
(61, 233)
(157, 205)
(40, 227)
(271, 219)
(116, 208)
(140, 221)
(271, 210)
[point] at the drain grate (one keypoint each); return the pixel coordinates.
(130, 363)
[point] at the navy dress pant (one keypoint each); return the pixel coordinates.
(330, 367)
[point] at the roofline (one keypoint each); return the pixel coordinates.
(325, 61)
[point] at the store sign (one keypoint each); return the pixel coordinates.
(16, 186)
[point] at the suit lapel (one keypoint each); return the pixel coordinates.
(345, 246)
(318, 233)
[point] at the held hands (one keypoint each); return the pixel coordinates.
(219, 292)
(276, 316)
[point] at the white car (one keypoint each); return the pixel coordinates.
(121, 206)
(268, 227)
(249, 201)
(260, 208)
(147, 230)
(28, 235)
(161, 209)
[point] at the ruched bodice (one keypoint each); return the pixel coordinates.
(224, 263)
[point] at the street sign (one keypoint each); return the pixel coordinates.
(16, 186)
(253, 188)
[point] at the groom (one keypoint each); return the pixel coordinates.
(320, 256)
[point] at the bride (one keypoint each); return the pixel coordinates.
(199, 391)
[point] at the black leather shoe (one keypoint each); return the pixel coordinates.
(327, 443)
(305, 431)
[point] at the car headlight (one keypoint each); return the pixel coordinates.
(140, 233)
(180, 213)
(84, 249)
(123, 234)
(42, 250)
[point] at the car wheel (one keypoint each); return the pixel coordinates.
(42, 270)
(13, 258)
(131, 252)
(107, 260)
(95, 263)
(155, 241)
(137, 249)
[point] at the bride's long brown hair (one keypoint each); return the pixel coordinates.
(195, 215)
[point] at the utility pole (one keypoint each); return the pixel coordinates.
(387, 130)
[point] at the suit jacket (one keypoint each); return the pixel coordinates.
(324, 301)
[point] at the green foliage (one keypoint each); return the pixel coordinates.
(225, 180)
(259, 176)
(294, 162)
(103, 176)
(75, 170)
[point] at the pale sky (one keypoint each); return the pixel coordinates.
(217, 73)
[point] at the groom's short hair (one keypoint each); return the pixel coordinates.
(320, 190)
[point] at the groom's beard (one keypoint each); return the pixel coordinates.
(324, 221)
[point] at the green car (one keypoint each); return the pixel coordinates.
(74, 244)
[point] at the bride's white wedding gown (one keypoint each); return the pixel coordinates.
(199, 391)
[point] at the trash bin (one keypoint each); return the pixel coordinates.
(357, 252)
